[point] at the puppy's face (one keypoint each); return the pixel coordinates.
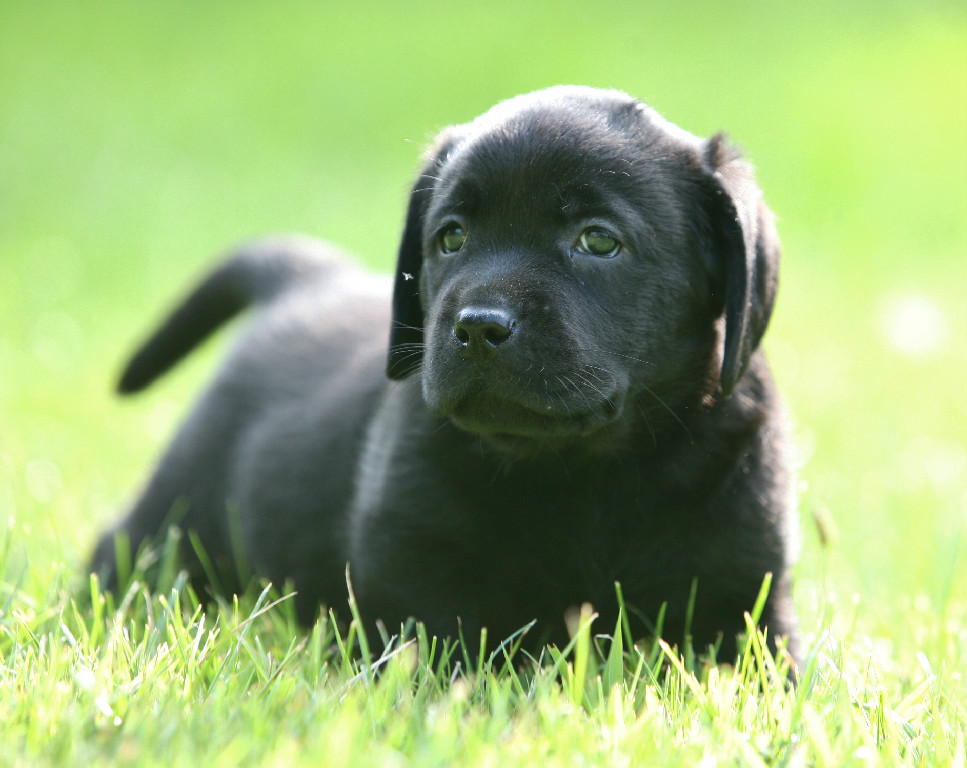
(565, 277)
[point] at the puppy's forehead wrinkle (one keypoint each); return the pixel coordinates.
(528, 130)
(572, 164)
(561, 104)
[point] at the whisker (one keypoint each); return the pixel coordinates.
(634, 359)
(444, 423)
(643, 412)
(579, 390)
(668, 408)
(408, 349)
(408, 345)
(406, 355)
(398, 324)
(619, 354)
(597, 390)
(592, 370)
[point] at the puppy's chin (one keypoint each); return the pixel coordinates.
(507, 420)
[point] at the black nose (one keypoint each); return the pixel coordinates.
(480, 331)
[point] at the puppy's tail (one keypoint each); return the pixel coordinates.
(253, 274)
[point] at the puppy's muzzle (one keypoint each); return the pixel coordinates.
(481, 331)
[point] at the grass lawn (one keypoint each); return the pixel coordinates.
(138, 140)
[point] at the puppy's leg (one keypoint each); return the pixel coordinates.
(779, 619)
(190, 487)
(188, 491)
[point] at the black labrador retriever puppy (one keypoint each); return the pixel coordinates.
(575, 396)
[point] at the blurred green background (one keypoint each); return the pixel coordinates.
(138, 140)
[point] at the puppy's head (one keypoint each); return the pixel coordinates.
(571, 253)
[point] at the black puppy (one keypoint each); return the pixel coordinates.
(575, 393)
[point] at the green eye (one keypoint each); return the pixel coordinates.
(452, 238)
(599, 242)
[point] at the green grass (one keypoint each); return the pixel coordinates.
(139, 140)
(158, 681)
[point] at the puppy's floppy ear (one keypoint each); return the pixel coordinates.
(406, 330)
(744, 237)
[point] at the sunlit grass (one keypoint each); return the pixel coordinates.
(156, 680)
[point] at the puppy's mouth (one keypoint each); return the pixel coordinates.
(498, 414)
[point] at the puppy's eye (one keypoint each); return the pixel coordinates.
(452, 238)
(599, 242)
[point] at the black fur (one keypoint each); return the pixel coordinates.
(553, 421)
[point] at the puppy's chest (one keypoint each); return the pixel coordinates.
(543, 553)
(526, 542)
(590, 529)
